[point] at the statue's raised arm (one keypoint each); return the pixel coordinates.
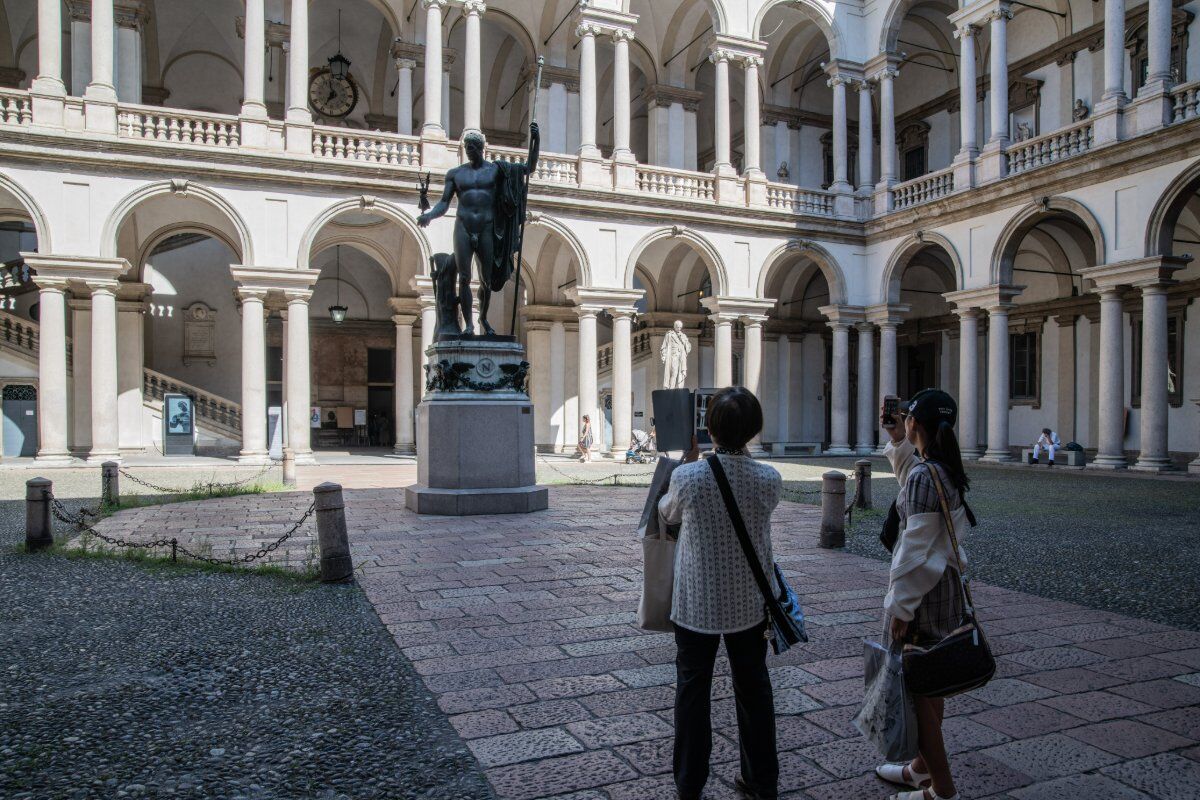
(535, 146)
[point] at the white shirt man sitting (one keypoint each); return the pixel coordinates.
(1048, 440)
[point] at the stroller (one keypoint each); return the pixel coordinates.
(640, 448)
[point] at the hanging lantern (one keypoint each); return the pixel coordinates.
(337, 312)
(339, 65)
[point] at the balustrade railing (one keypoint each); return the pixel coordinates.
(551, 168)
(1050, 147)
(787, 197)
(221, 413)
(183, 127)
(370, 147)
(19, 334)
(923, 189)
(15, 107)
(604, 356)
(1184, 99)
(666, 182)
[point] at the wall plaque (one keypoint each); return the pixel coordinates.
(199, 333)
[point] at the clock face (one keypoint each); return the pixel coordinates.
(330, 96)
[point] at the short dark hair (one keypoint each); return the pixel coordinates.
(1046, 431)
(734, 417)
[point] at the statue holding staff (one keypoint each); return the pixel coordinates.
(674, 353)
(489, 225)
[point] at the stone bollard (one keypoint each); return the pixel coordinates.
(331, 533)
(862, 480)
(38, 533)
(110, 486)
(289, 467)
(833, 509)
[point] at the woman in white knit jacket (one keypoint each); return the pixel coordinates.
(924, 603)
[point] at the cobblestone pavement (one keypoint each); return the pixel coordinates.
(133, 680)
(522, 628)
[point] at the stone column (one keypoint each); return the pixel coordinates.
(428, 323)
(887, 128)
(622, 379)
(1158, 30)
(131, 335)
(1152, 430)
(864, 440)
(105, 435)
(405, 435)
(537, 336)
(720, 60)
(999, 76)
(752, 354)
(967, 83)
(253, 102)
(587, 373)
(998, 384)
(752, 124)
(472, 71)
(48, 89)
(100, 97)
(783, 388)
(404, 97)
(299, 389)
(254, 377)
(129, 56)
(887, 360)
(558, 360)
(1111, 429)
(1114, 50)
(52, 371)
(723, 348)
(587, 91)
(839, 390)
(866, 138)
(968, 381)
(297, 110)
(841, 156)
(621, 101)
(432, 126)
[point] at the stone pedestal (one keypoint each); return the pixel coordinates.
(475, 433)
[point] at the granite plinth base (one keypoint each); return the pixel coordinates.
(475, 441)
(464, 502)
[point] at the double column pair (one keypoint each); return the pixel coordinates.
(752, 123)
(588, 30)
(100, 96)
(841, 320)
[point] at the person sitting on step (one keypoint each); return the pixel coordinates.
(1048, 440)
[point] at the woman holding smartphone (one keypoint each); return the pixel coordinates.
(924, 602)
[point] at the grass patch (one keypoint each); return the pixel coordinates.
(159, 560)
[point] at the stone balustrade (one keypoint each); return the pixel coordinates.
(665, 182)
(371, 147)
(924, 189)
(1184, 100)
(221, 413)
(1050, 147)
(182, 127)
(787, 197)
(15, 108)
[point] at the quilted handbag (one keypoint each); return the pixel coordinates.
(963, 660)
(783, 611)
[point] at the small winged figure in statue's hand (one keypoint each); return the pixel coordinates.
(423, 186)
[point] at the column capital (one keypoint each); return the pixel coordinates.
(622, 35)
(130, 14)
(74, 268)
(252, 294)
(753, 320)
(622, 312)
(273, 279)
(438, 4)
(401, 49)
(737, 48)
(405, 306)
(617, 24)
(1135, 272)
(586, 28)
(294, 296)
(405, 319)
(887, 315)
(737, 307)
(406, 63)
(601, 299)
(965, 31)
(842, 315)
(864, 85)
(474, 8)
(99, 285)
(721, 56)
(980, 13)
(985, 297)
(839, 80)
(888, 62)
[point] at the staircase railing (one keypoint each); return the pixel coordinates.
(220, 413)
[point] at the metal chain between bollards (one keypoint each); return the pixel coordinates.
(62, 514)
(210, 486)
(578, 481)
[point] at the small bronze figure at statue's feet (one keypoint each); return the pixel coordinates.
(488, 225)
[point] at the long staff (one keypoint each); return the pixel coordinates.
(537, 84)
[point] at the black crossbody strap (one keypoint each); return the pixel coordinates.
(739, 526)
(949, 518)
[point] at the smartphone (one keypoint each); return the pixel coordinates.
(891, 406)
(700, 418)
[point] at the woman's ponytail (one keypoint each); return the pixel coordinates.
(944, 450)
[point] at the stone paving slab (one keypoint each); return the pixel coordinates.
(522, 628)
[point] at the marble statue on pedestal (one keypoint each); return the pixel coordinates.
(674, 352)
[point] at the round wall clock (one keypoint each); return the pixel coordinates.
(331, 96)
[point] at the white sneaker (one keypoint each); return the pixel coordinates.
(895, 773)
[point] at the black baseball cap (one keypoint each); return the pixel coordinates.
(932, 407)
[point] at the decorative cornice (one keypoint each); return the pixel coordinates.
(661, 95)
(607, 23)
(552, 74)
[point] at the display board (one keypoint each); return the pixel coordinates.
(179, 428)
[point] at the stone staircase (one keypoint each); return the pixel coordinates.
(217, 417)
